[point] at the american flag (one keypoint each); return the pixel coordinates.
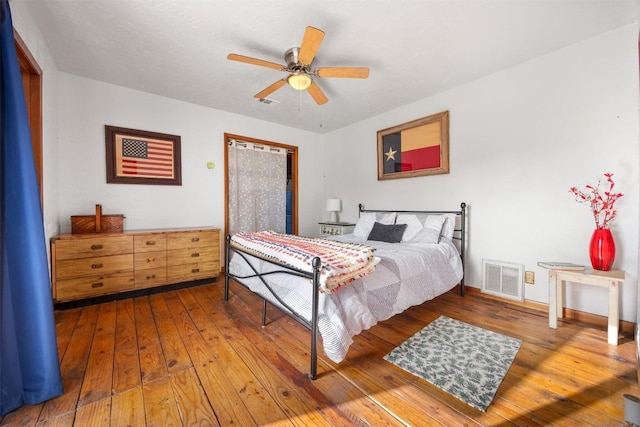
(148, 158)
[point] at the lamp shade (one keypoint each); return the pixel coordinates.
(333, 205)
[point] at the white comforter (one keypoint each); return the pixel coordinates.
(408, 274)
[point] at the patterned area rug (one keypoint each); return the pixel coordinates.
(465, 361)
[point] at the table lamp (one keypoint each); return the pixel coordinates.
(333, 206)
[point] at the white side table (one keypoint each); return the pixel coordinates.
(605, 279)
(336, 228)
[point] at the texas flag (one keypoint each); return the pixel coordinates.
(412, 149)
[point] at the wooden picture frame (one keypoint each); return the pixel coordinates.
(142, 157)
(416, 148)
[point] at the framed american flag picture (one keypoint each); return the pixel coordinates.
(416, 148)
(142, 157)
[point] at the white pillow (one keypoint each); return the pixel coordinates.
(449, 226)
(433, 226)
(366, 221)
(414, 226)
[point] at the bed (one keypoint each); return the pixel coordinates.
(400, 259)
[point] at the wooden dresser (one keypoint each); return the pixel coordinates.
(93, 265)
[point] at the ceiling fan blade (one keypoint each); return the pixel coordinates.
(317, 94)
(346, 72)
(310, 44)
(270, 89)
(255, 61)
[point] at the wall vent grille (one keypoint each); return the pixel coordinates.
(503, 279)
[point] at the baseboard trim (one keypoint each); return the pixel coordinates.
(569, 313)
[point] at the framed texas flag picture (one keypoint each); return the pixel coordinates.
(416, 148)
(142, 157)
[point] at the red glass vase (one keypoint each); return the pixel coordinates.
(602, 249)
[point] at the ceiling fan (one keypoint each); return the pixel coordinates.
(301, 76)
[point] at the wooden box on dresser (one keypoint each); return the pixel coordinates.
(95, 265)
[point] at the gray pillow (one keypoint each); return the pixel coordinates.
(390, 233)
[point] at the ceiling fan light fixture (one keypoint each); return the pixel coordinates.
(299, 81)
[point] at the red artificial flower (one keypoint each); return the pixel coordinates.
(601, 204)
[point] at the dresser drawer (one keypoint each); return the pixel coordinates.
(149, 243)
(191, 255)
(95, 266)
(151, 277)
(147, 260)
(86, 287)
(194, 271)
(93, 247)
(193, 239)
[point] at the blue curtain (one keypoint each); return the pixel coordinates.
(29, 368)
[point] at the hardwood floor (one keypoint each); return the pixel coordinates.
(185, 357)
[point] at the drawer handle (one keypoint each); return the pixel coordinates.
(195, 270)
(97, 285)
(153, 276)
(96, 247)
(150, 259)
(195, 239)
(151, 242)
(97, 265)
(195, 255)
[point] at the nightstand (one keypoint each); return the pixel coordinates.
(610, 280)
(335, 228)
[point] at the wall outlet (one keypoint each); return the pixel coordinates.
(529, 277)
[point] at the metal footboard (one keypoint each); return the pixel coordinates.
(314, 277)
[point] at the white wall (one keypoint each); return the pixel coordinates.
(86, 106)
(519, 139)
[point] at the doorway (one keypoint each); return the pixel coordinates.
(261, 185)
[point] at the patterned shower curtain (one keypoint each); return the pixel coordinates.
(257, 187)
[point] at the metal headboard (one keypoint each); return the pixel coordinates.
(459, 232)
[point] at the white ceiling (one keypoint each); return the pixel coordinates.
(178, 48)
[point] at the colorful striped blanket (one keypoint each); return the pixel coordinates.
(341, 263)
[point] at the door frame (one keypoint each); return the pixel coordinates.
(32, 85)
(294, 176)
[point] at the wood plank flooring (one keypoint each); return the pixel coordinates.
(186, 357)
